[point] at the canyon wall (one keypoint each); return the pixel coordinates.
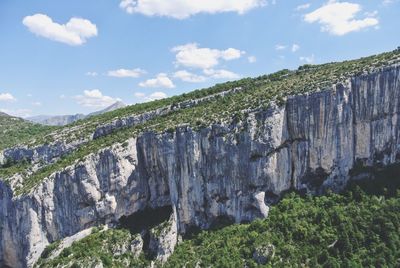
(228, 172)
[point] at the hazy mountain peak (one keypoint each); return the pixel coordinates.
(62, 120)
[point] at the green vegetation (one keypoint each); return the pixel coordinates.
(15, 130)
(110, 247)
(258, 93)
(354, 229)
(350, 230)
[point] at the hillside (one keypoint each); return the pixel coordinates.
(14, 130)
(221, 156)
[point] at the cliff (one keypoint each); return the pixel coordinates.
(230, 172)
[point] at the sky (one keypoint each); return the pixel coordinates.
(73, 56)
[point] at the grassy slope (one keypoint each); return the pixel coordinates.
(15, 130)
(259, 94)
(350, 230)
(99, 247)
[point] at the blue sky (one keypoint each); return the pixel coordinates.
(65, 57)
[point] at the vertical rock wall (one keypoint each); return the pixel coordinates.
(224, 172)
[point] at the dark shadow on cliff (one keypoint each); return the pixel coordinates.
(376, 180)
(145, 219)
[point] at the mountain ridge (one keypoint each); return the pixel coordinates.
(62, 120)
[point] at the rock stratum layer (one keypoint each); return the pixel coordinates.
(232, 172)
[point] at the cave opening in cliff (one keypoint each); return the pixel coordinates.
(376, 180)
(145, 219)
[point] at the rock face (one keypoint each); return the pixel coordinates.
(224, 172)
(163, 239)
(49, 153)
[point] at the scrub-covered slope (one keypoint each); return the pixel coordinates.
(14, 130)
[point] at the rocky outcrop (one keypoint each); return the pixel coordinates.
(49, 153)
(230, 172)
(144, 117)
(163, 239)
(46, 153)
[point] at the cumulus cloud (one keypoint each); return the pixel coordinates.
(150, 97)
(189, 77)
(161, 80)
(221, 74)
(95, 99)
(389, 2)
(7, 97)
(308, 59)
(191, 55)
(157, 95)
(36, 103)
(120, 73)
(303, 6)
(92, 74)
(182, 9)
(139, 94)
(75, 32)
(280, 47)
(252, 59)
(295, 47)
(339, 18)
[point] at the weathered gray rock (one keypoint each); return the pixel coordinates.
(312, 143)
(136, 246)
(163, 239)
(263, 254)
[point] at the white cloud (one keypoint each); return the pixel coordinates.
(36, 103)
(95, 99)
(388, 2)
(338, 18)
(189, 77)
(309, 59)
(304, 6)
(162, 80)
(182, 9)
(190, 55)
(139, 94)
(120, 73)
(92, 74)
(295, 47)
(280, 47)
(75, 32)
(221, 74)
(62, 96)
(157, 95)
(252, 59)
(7, 97)
(153, 96)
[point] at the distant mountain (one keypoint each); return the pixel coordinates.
(4, 114)
(59, 120)
(62, 120)
(115, 106)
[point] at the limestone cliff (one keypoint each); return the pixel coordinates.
(227, 172)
